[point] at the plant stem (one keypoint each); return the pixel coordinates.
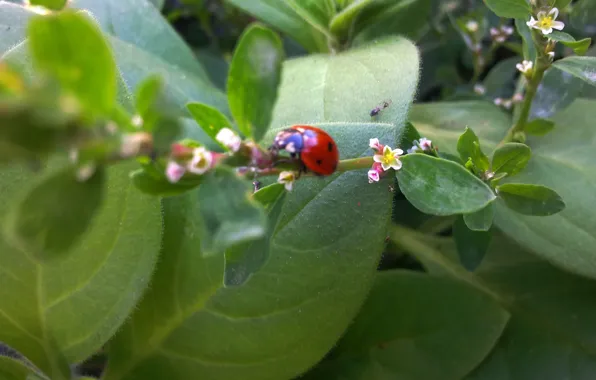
(355, 164)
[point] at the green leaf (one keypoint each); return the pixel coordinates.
(230, 216)
(441, 187)
(247, 259)
(410, 319)
(531, 199)
(510, 158)
(583, 68)
(147, 94)
(561, 4)
(253, 79)
(40, 222)
(204, 320)
(340, 24)
(143, 44)
(471, 244)
(149, 183)
(498, 81)
(384, 18)
(556, 92)
(539, 127)
(209, 119)
(288, 18)
(509, 8)
(108, 271)
(542, 337)
(468, 147)
(579, 47)
(70, 47)
(55, 5)
(13, 369)
(526, 34)
(361, 73)
(480, 220)
(582, 16)
(568, 171)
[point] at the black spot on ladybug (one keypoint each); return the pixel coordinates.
(330, 147)
(319, 162)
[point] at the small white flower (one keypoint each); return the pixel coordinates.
(508, 30)
(525, 67)
(472, 26)
(551, 55)
(229, 139)
(479, 89)
(425, 143)
(546, 21)
(518, 98)
(375, 144)
(413, 149)
(85, 172)
(389, 158)
(137, 121)
(507, 104)
(494, 32)
(174, 171)
(373, 176)
(498, 101)
(201, 161)
(287, 178)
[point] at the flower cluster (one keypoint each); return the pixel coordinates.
(423, 144)
(500, 35)
(385, 158)
(546, 21)
(198, 160)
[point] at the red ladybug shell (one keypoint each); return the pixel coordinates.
(316, 149)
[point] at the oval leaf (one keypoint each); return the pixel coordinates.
(539, 127)
(468, 147)
(510, 158)
(471, 245)
(481, 220)
(71, 47)
(441, 187)
(583, 68)
(531, 199)
(209, 119)
(253, 79)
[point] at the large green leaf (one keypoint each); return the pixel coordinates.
(583, 68)
(550, 334)
(509, 8)
(345, 87)
(562, 160)
(556, 92)
(270, 327)
(291, 17)
(79, 301)
(182, 82)
(410, 320)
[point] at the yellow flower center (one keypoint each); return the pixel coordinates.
(546, 22)
(388, 156)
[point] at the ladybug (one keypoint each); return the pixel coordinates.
(316, 150)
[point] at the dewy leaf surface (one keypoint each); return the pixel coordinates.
(79, 301)
(322, 257)
(562, 160)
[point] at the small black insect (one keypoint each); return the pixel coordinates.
(375, 111)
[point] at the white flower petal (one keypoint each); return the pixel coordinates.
(396, 165)
(386, 166)
(554, 13)
(559, 25)
(541, 15)
(547, 31)
(377, 158)
(374, 143)
(532, 22)
(397, 152)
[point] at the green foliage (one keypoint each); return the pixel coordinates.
(133, 240)
(72, 49)
(510, 158)
(441, 187)
(50, 4)
(509, 8)
(253, 80)
(229, 215)
(40, 223)
(530, 199)
(409, 316)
